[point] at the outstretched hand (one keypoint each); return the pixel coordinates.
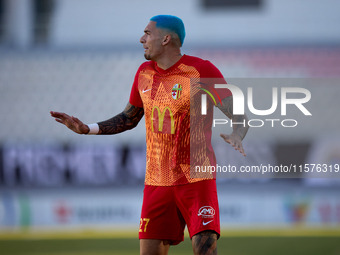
(71, 122)
(235, 141)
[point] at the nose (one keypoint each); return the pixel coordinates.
(142, 40)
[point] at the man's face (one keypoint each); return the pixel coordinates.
(152, 41)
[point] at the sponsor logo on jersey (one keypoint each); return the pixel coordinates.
(164, 119)
(206, 212)
(145, 90)
(206, 223)
(176, 91)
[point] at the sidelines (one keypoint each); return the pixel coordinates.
(131, 233)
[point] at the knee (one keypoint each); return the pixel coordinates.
(205, 243)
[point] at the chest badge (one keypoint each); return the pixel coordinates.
(176, 91)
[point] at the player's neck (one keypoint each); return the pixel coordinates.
(169, 60)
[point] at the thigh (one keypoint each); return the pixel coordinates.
(154, 247)
(160, 217)
(198, 204)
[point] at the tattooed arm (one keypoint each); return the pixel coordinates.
(239, 130)
(126, 120)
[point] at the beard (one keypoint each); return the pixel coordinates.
(147, 57)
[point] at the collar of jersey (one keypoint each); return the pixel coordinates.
(162, 71)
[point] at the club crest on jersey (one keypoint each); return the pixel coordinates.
(176, 91)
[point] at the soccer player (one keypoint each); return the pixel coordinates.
(164, 89)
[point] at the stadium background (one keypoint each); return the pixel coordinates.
(80, 57)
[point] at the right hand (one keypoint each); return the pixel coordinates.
(71, 122)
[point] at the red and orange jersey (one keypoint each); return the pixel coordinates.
(171, 135)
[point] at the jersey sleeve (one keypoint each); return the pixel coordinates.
(208, 70)
(135, 98)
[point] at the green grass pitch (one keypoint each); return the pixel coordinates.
(127, 246)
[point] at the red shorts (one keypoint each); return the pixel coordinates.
(166, 211)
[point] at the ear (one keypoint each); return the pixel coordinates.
(166, 39)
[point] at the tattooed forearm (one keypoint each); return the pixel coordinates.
(227, 108)
(126, 120)
(205, 243)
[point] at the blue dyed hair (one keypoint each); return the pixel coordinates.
(171, 23)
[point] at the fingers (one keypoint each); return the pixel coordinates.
(63, 117)
(59, 120)
(228, 139)
(241, 150)
(71, 122)
(55, 114)
(234, 141)
(224, 136)
(59, 115)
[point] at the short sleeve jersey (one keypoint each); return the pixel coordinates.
(170, 98)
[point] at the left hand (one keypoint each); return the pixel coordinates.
(71, 122)
(235, 141)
